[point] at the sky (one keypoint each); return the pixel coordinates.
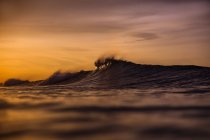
(39, 37)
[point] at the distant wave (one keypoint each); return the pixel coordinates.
(122, 74)
(63, 78)
(15, 82)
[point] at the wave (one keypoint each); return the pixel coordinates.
(14, 82)
(63, 78)
(122, 74)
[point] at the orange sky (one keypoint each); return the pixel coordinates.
(39, 37)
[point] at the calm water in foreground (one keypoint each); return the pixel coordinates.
(59, 112)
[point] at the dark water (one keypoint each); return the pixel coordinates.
(60, 112)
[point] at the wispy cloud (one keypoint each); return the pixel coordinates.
(145, 36)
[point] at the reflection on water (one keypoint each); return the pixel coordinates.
(31, 113)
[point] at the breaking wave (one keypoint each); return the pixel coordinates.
(114, 73)
(123, 74)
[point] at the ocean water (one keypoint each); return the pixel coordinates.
(123, 101)
(62, 112)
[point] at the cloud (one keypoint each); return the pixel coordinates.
(89, 16)
(88, 27)
(145, 36)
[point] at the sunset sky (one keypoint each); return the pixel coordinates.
(39, 37)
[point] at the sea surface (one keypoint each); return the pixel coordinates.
(61, 112)
(122, 101)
